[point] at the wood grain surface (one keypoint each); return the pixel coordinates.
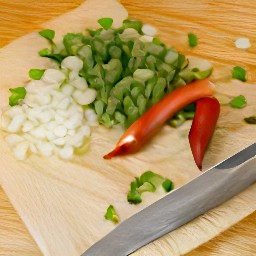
(227, 20)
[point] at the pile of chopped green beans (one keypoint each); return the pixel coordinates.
(131, 72)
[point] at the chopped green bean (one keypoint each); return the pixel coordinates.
(147, 182)
(106, 23)
(129, 73)
(192, 40)
(111, 214)
(17, 94)
(36, 74)
(238, 102)
(239, 73)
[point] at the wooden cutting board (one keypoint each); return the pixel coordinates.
(72, 196)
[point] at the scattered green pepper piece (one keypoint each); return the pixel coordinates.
(47, 34)
(238, 102)
(106, 23)
(36, 74)
(168, 185)
(147, 182)
(17, 94)
(111, 214)
(239, 73)
(192, 40)
(48, 53)
(250, 120)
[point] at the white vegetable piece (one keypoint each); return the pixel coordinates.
(74, 121)
(80, 83)
(53, 76)
(66, 152)
(16, 123)
(73, 75)
(14, 111)
(76, 140)
(91, 117)
(46, 149)
(146, 38)
(60, 131)
(5, 121)
(13, 139)
(51, 119)
(38, 132)
(243, 43)
(85, 130)
(64, 104)
(27, 126)
(129, 33)
(86, 97)
(67, 89)
(149, 30)
(21, 150)
(33, 86)
(45, 116)
(72, 63)
(59, 141)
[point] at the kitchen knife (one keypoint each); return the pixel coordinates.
(210, 189)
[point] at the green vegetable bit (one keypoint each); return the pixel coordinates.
(111, 214)
(250, 120)
(47, 34)
(17, 94)
(106, 23)
(239, 73)
(192, 40)
(238, 102)
(147, 182)
(36, 74)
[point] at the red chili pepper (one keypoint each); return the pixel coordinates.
(148, 124)
(203, 126)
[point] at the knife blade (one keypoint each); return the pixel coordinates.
(212, 188)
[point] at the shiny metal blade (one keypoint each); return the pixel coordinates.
(200, 195)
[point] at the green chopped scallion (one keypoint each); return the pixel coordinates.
(168, 185)
(239, 73)
(112, 215)
(192, 40)
(48, 34)
(106, 23)
(17, 94)
(147, 182)
(36, 74)
(238, 102)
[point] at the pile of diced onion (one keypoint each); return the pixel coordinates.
(54, 117)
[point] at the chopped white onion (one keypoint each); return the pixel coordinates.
(13, 139)
(21, 150)
(91, 117)
(146, 38)
(27, 126)
(16, 123)
(66, 152)
(46, 149)
(149, 30)
(72, 63)
(60, 131)
(67, 89)
(53, 76)
(80, 83)
(243, 43)
(51, 119)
